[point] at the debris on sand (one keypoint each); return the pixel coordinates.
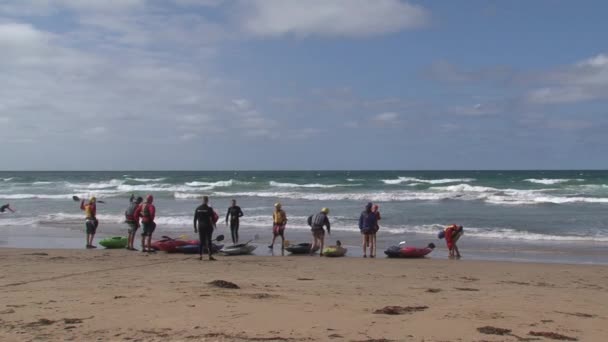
(40, 322)
(305, 279)
(552, 335)
(75, 320)
(466, 289)
(433, 290)
(488, 330)
(39, 254)
(7, 311)
(400, 310)
(119, 297)
(224, 284)
(577, 314)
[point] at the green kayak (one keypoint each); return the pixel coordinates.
(114, 242)
(334, 251)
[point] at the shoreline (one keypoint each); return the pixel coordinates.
(59, 294)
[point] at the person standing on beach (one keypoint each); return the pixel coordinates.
(6, 207)
(373, 248)
(91, 223)
(367, 224)
(132, 221)
(316, 224)
(279, 220)
(147, 212)
(234, 214)
(204, 218)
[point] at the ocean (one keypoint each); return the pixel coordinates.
(542, 216)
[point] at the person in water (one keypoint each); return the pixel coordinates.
(91, 223)
(373, 248)
(234, 214)
(316, 223)
(367, 225)
(6, 207)
(132, 221)
(452, 234)
(147, 212)
(279, 220)
(204, 223)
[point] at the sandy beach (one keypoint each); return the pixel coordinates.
(117, 295)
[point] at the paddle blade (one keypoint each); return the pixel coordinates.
(219, 238)
(76, 198)
(184, 237)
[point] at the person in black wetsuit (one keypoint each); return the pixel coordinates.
(6, 207)
(203, 225)
(234, 213)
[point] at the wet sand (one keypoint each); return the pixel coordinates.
(117, 295)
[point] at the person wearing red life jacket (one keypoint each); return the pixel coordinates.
(147, 212)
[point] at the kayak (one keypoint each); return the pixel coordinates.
(238, 249)
(408, 251)
(301, 248)
(195, 249)
(114, 242)
(334, 251)
(170, 245)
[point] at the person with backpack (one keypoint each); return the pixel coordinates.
(316, 223)
(204, 223)
(279, 220)
(132, 221)
(367, 225)
(147, 212)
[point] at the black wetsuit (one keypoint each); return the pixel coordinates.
(234, 213)
(4, 207)
(203, 220)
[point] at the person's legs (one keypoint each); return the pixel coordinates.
(236, 231)
(372, 248)
(233, 232)
(201, 243)
(364, 237)
(457, 251)
(208, 237)
(321, 242)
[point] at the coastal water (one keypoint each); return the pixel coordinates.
(515, 215)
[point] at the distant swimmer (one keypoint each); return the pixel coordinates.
(316, 223)
(279, 220)
(452, 234)
(367, 225)
(204, 223)
(6, 207)
(147, 212)
(233, 215)
(91, 223)
(132, 221)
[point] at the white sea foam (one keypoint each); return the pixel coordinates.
(144, 180)
(548, 181)
(8, 179)
(402, 180)
(311, 185)
(217, 184)
(35, 196)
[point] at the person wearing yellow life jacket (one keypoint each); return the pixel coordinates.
(147, 212)
(279, 220)
(91, 223)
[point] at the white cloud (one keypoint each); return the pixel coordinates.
(385, 118)
(346, 18)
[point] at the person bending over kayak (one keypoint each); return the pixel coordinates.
(6, 207)
(316, 223)
(147, 212)
(90, 223)
(204, 218)
(132, 221)
(234, 214)
(375, 210)
(452, 234)
(367, 225)
(279, 220)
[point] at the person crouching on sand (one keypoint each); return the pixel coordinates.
(452, 234)
(147, 212)
(279, 220)
(91, 223)
(367, 225)
(316, 223)
(132, 221)
(373, 248)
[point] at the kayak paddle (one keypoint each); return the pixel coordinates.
(77, 199)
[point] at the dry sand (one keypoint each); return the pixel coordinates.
(101, 295)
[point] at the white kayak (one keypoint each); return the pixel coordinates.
(238, 249)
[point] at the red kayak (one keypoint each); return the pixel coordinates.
(408, 251)
(170, 245)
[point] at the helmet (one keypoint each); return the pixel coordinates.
(277, 205)
(325, 210)
(92, 199)
(139, 199)
(149, 199)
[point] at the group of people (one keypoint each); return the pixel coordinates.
(142, 213)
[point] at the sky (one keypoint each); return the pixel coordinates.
(293, 84)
